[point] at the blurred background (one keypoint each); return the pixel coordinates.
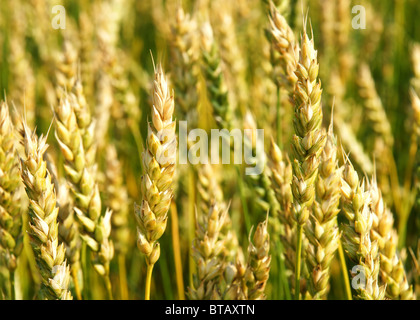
(112, 42)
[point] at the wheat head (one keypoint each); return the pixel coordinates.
(43, 212)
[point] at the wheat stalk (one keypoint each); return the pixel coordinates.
(43, 212)
(159, 165)
(322, 230)
(357, 241)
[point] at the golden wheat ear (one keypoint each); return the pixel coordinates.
(43, 212)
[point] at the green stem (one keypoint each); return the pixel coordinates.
(74, 271)
(177, 251)
(191, 219)
(148, 281)
(12, 285)
(108, 287)
(402, 229)
(283, 277)
(85, 269)
(298, 261)
(123, 277)
(344, 271)
(243, 200)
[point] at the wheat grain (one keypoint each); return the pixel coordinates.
(43, 211)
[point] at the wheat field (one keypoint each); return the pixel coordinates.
(112, 185)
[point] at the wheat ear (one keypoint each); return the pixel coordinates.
(281, 179)
(11, 238)
(259, 260)
(68, 232)
(43, 212)
(374, 108)
(74, 135)
(207, 247)
(308, 140)
(357, 241)
(392, 269)
(322, 229)
(210, 193)
(184, 53)
(215, 82)
(159, 165)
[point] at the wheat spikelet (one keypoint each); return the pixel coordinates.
(374, 108)
(356, 241)
(258, 267)
(392, 269)
(159, 166)
(322, 230)
(11, 239)
(43, 211)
